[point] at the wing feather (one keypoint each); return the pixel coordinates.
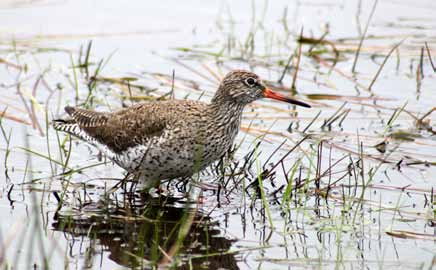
(131, 126)
(118, 130)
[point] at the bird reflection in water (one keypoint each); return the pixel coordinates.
(145, 232)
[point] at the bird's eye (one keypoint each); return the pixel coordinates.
(250, 81)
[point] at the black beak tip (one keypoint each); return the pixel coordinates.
(303, 104)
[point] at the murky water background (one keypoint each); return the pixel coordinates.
(390, 226)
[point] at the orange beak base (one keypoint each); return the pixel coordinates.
(271, 94)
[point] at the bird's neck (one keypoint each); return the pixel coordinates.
(226, 111)
(224, 119)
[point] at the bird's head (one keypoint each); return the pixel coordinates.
(244, 87)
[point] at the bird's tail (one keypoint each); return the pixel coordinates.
(79, 120)
(71, 127)
(82, 120)
(67, 126)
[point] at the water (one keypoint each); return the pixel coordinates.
(390, 226)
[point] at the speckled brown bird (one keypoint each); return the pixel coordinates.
(173, 138)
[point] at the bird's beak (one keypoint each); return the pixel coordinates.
(271, 94)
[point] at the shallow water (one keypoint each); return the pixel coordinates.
(225, 223)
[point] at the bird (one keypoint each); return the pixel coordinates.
(169, 139)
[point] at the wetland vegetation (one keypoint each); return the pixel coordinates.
(348, 184)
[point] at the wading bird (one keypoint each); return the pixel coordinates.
(173, 138)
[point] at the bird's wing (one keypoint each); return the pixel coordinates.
(118, 130)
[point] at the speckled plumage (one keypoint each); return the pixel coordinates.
(173, 138)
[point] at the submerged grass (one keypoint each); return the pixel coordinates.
(363, 35)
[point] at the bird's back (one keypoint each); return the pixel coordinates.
(159, 137)
(127, 127)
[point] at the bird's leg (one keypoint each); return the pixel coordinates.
(147, 185)
(120, 183)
